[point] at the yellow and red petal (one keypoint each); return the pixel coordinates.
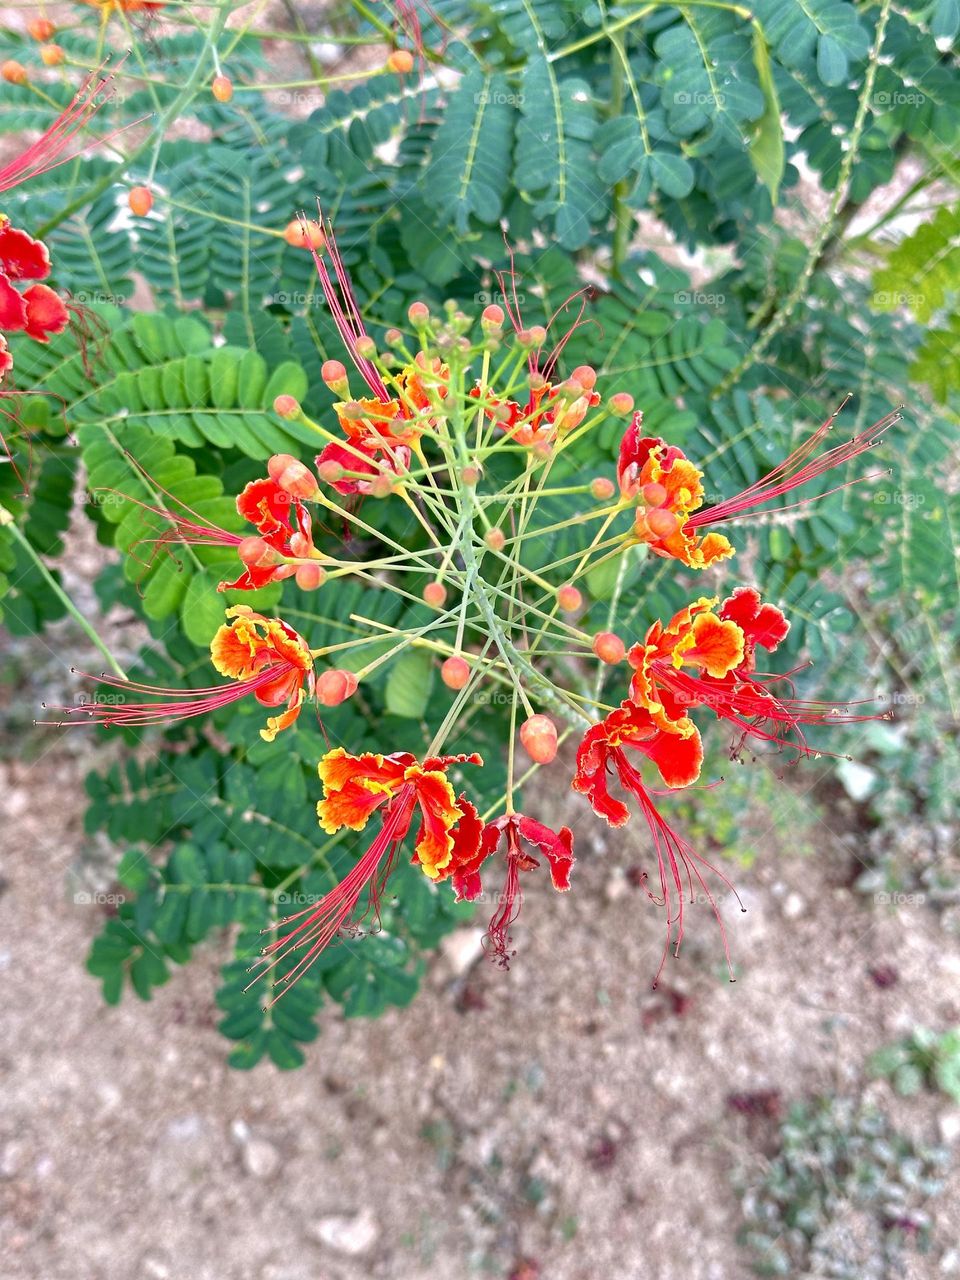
(276, 724)
(438, 807)
(556, 846)
(712, 643)
(236, 647)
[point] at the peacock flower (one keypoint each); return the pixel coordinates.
(262, 657)
(475, 842)
(724, 679)
(668, 488)
(38, 311)
(355, 787)
(550, 412)
(678, 760)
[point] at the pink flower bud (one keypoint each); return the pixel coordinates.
(654, 495)
(492, 317)
(621, 403)
(470, 474)
(330, 472)
(539, 738)
(569, 598)
(418, 313)
(660, 522)
(602, 488)
(434, 594)
(455, 672)
(310, 576)
(255, 553)
(335, 686)
(495, 539)
(586, 375)
(287, 406)
(334, 375)
(608, 647)
(292, 476)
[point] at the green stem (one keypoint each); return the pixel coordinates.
(6, 520)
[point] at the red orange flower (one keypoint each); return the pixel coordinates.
(355, 787)
(731, 689)
(676, 756)
(668, 488)
(262, 656)
(37, 311)
(475, 842)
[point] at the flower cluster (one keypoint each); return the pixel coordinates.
(469, 424)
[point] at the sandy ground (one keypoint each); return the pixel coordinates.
(559, 1117)
(559, 1122)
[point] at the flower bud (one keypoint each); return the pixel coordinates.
(310, 576)
(400, 61)
(609, 648)
(292, 476)
(287, 406)
(51, 55)
(335, 686)
(366, 347)
(621, 403)
(602, 488)
(542, 449)
(495, 539)
(330, 472)
(304, 234)
(569, 598)
(300, 545)
(492, 317)
(434, 594)
(334, 375)
(222, 88)
(538, 335)
(256, 554)
(393, 338)
(539, 738)
(470, 474)
(14, 72)
(586, 375)
(455, 672)
(381, 486)
(660, 522)
(654, 495)
(140, 200)
(40, 29)
(418, 313)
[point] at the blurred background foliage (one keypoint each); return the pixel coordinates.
(763, 206)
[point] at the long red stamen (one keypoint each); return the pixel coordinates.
(344, 307)
(336, 910)
(175, 704)
(674, 853)
(749, 702)
(795, 471)
(511, 900)
(48, 151)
